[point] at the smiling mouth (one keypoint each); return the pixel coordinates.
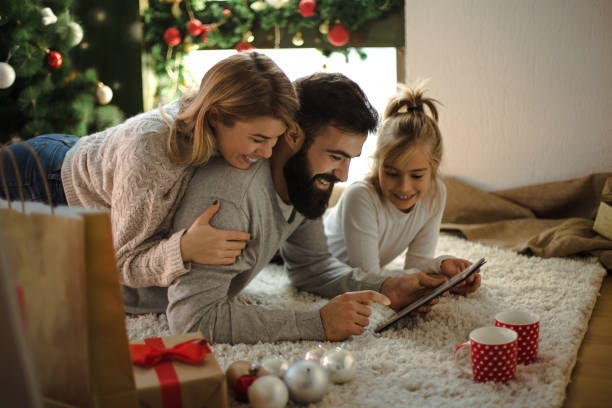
(251, 160)
(404, 197)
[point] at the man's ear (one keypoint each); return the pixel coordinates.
(294, 138)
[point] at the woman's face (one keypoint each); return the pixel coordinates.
(406, 180)
(248, 141)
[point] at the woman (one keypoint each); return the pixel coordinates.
(141, 168)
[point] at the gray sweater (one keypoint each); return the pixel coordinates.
(204, 298)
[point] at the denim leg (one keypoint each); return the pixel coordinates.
(51, 150)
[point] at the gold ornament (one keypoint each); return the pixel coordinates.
(103, 94)
(297, 39)
(324, 27)
(248, 37)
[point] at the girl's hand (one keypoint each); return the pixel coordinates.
(451, 267)
(207, 245)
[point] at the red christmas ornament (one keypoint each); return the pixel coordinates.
(205, 30)
(227, 12)
(241, 388)
(53, 60)
(194, 27)
(338, 35)
(243, 46)
(172, 37)
(307, 8)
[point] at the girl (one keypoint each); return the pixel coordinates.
(140, 169)
(399, 206)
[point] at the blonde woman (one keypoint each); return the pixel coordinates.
(399, 206)
(140, 169)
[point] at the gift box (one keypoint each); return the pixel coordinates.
(168, 375)
(603, 220)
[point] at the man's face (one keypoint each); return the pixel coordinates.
(311, 173)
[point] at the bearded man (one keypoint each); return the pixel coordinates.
(279, 202)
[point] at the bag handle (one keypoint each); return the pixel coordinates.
(19, 183)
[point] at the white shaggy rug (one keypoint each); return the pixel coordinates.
(414, 365)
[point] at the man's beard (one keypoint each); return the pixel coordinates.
(307, 199)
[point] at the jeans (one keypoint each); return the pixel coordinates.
(51, 150)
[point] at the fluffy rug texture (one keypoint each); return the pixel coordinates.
(412, 363)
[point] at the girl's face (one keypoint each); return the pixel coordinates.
(406, 180)
(248, 141)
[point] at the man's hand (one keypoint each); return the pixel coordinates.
(451, 267)
(407, 288)
(348, 314)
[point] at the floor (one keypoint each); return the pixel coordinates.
(591, 383)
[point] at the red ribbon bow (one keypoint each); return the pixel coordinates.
(148, 355)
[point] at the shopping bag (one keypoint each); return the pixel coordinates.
(64, 262)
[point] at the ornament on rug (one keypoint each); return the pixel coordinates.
(275, 365)
(338, 35)
(77, 33)
(307, 381)
(307, 7)
(236, 370)
(103, 94)
(340, 365)
(7, 75)
(172, 36)
(53, 59)
(316, 353)
(241, 387)
(268, 392)
(195, 27)
(48, 17)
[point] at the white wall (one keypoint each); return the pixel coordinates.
(526, 86)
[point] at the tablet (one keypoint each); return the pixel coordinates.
(449, 284)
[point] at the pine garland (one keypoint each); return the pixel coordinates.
(43, 99)
(231, 24)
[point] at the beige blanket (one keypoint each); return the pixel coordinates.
(550, 219)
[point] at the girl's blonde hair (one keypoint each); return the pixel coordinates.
(237, 88)
(407, 124)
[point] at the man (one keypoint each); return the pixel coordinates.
(280, 203)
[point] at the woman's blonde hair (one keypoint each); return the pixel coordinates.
(237, 88)
(407, 124)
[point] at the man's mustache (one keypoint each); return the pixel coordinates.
(330, 178)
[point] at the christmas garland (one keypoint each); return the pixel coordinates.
(173, 28)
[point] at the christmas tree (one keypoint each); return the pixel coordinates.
(40, 90)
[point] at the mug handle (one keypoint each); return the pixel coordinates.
(459, 365)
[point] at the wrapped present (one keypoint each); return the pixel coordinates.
(178, 372)
(603, 220)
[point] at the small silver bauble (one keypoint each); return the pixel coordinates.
(316, 353)
(103, 94)
(275, 365)
(268, 392)
(77, 32)
(340, 365)
(7, 75)
(307, 381)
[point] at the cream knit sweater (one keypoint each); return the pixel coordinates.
(126, 168)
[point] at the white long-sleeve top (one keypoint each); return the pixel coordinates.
(367, 231)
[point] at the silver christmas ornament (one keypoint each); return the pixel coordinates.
(77, 30)
(48, 17)
(316, 353)
(103, 94)
(275, 365)
(268, 392)
(307, 381)
(340, 365)
(7, 75)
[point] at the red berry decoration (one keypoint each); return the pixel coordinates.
(194, 27)
(307, 8)
(53, 60)
(243, 46)
(205, 30)
(241, 388)
(227, 12)
(338, 35)
(172, 37)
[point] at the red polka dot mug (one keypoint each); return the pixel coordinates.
(494, 354)
(527, 326)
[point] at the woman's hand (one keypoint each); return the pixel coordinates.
(451, 267)
(207, 245)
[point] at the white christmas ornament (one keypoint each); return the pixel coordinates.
(47, 16)
(316, 353)
(268, 392)
(258, 5)
(307, 381)
(103, 94)
(277, 4)
(340, 365)
(7, 75)
(275, 365)
(77, 31)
